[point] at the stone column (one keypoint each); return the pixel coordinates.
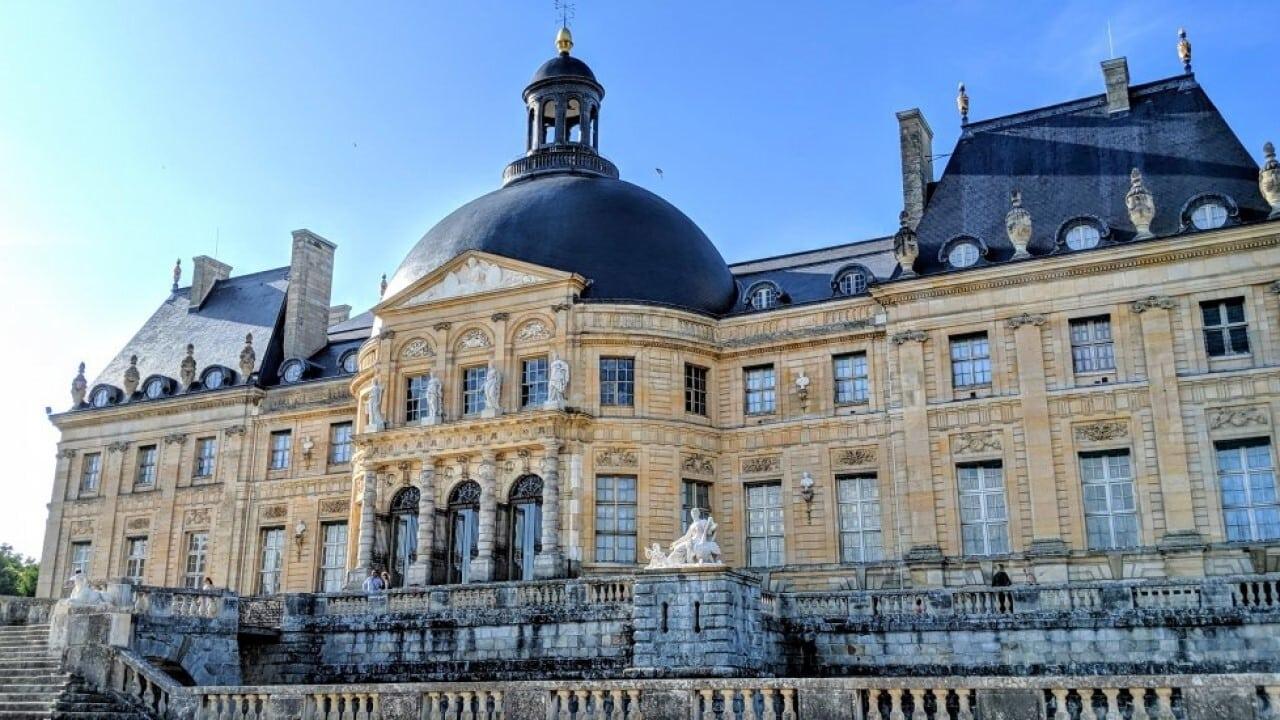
(1048, 551)
(549, 563)
(1170, 436)
(482, 566)
(925, 556)
(420, 571)
(364, 551)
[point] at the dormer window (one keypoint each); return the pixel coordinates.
(214, 378)
(101, 397)
(292, 371)
(154, 388)
(1209, 216)
(349, 362)
(763, 296)
(1082, 236)
(963, 254)
(852, 281)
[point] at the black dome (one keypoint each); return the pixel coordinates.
(563, 66)
(631, 244)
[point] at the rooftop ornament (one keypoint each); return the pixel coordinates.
(1269, 180)
(962, 104)
(906, 248)
(187, 370)
(131, 377)
(177, 273)
(78, 387)
(1018, 226)
(248, 358)
(1184, 49)
(1141, 206)
(382, 288)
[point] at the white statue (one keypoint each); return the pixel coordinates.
(434, 399)
(697, 546)
(374, 406)
(82, 593)
(493, 390)
(557, 382)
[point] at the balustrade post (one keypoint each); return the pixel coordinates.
(1139, 696)
(748, 704)
(962, 695)
(895, 705)
(562, 697)
(1086, 704)
(708, 704)
(633, 709)
(1113, 703)
(788, 704)
(1060, 711)
(917, 704)
(1164, 704)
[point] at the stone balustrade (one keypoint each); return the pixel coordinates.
(158, 602)
(478, 704)
(24, 610)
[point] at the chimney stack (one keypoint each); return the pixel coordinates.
(205, 272)
(339, 314)
(306, 320)
(1116, 74)
(916, 141)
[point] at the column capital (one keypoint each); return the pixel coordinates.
(1162, 302)
(552, 446)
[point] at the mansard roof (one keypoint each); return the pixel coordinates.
(1074, 159)
(807, 276)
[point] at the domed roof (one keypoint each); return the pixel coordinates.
(629, 243)
(563, 66)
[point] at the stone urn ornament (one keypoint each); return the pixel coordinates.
(1269, 180)
(1141, 206)
(1017, 224)
(78, 388)
(906, 248)
(248, 358)
(131, 377)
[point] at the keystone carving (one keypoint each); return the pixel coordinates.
(1018, 321)
(119, 446)
(909, 336)
(1162, 302)
(976, 442)
(1237, 417)
(770, 463)
(617, 457)
(1102, 431)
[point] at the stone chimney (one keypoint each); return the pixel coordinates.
(306, 319)
(1116, 74)
(338, 314)
(205, 272)
(916, 140)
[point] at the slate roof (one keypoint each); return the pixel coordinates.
(1074, 159)
(806, 277)
(234, 307)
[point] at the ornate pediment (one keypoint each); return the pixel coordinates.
(471, 274)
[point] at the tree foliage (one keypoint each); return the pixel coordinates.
(17, 573)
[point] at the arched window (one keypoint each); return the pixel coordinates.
(547, 131)
(852, 281)
(763, 296)
(526, 526)
(1082, 233)
(404, 534)
(595, 126)
(1208, 211)
(349, 361)
(464, 530)
(963, 254)
(573, 120)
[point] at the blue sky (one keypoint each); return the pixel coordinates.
(135, 133)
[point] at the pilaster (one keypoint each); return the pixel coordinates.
(364, 552)
(550, 562)
(915, 437)
(420, 571)
(482, 565)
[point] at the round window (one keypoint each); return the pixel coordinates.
(154, 389)
(293, 371)
(1209, 216)
(963, 254)
(349, 362)
(1083, 237)
(853, 282)
(764, 297)
(214, 378)
(100, 398)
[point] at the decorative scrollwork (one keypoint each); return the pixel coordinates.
(1018, 321)
(976, 442)
(417, 348)
(855, 457)
(1102, 431)
(467, 493)
(768, 463)
(1237, 417)
(1162, 302)
(526, 487)
(274, 512)
(617, 457)
(406, 500)
(698, 465)
(907, 336)
(333, 506)
(533, 330)
(473, 339)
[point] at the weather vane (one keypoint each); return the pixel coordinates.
(565, 8)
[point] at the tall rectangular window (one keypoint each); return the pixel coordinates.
(415, 403)
(272, 560)
(91, 473)
(860, 533)
(984, 520)
(197, 557)
(281, 448)
(1092, 348)
(333, 557)
(81, 552)
(206, 451)
(473, 389)
(693, 494)
(850, 372)
(339, 443)
(146, 476)
(970, 360)
(1110, 513)
(1225, 331)
(533, 382)
(135, 558)
(616, 519)
(617, 381)
(759, 384)
(1248, 481)
(695, 389)
(765, 546)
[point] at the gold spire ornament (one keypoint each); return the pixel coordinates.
(962, 104)
(564, 40)
(1184, 49)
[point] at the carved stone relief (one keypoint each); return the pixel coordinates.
(196, 517)
(475, 276)
(417, 348)
(1102, 431)
(1237, 417)
(533, 330)
(275, 512)
(909, 336)
(81, 527)
(854, 457)
(335, 506)
(976, 442)
(698, 465)
(769, 463)
(473, 339)
(138, 523)
(617, 457)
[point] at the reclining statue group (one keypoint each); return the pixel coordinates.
(697, 546)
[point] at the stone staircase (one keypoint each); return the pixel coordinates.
(32, 684)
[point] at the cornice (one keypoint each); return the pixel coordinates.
(1057, 267)
(177, 405)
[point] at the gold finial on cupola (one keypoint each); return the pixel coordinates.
(564, 40)
(1184, 49)
(962, 104)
